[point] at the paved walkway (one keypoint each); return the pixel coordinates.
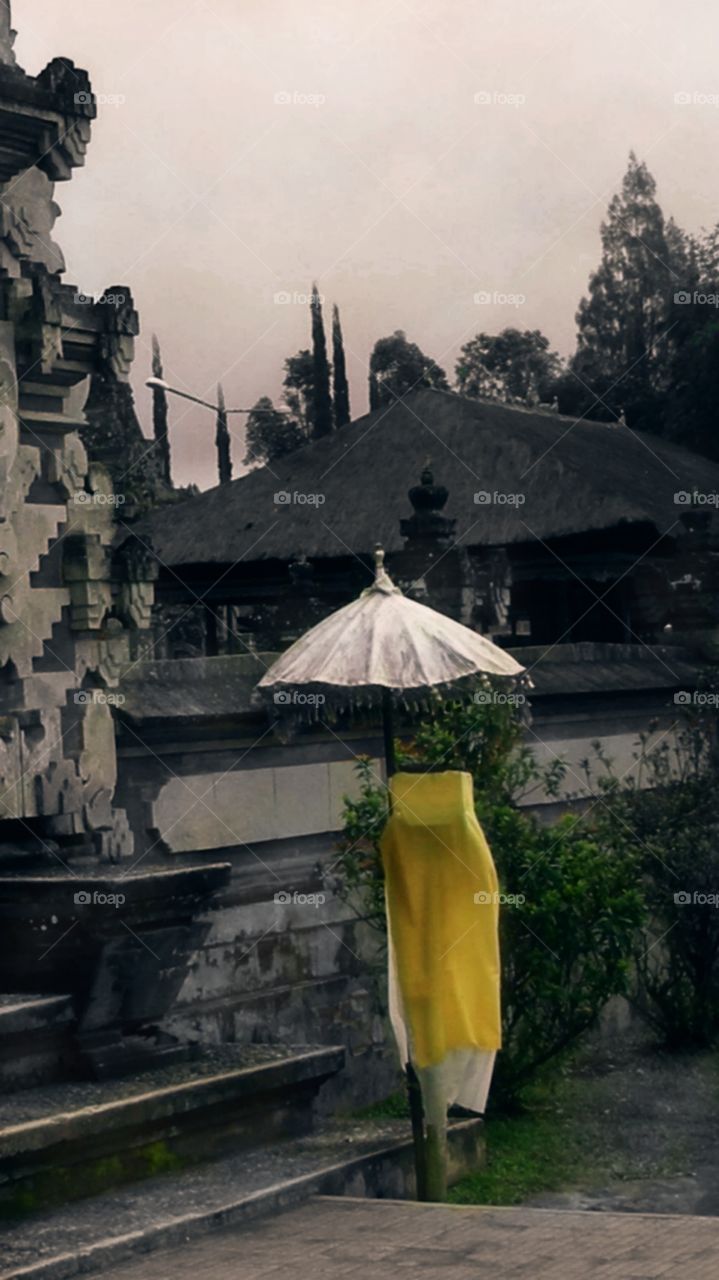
(334, 1239)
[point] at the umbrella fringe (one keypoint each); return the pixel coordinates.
(313, 703)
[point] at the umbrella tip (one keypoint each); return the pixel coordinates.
(382, 581)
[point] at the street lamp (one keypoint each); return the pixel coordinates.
(158, 384)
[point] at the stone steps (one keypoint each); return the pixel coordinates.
(66, 1141)
(352, 1157)
(35, 1040)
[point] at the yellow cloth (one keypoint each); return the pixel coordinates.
(442, 903)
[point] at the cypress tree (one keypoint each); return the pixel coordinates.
(322, 416)
(339, 372)
(222, 440)
(160, 423)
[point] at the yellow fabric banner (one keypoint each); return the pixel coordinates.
(442, 903)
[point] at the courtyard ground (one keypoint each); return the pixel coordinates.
(335, 1239)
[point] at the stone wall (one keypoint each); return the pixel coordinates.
(203, 776)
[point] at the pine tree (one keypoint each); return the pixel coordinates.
(222, 440)
(623, 343)
(322, 416)
(339, 372)
(691, 411)
(160, 423)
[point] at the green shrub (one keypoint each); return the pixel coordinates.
(668, 813)
(566, 948)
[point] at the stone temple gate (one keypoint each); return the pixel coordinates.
(72, 610)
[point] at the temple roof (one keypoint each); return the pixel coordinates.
(344, 493)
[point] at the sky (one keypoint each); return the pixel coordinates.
(439, 166)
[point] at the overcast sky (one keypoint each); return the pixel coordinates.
(208, 192)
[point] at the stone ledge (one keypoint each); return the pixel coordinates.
(172, 1100)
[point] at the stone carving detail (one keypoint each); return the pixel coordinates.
(138, 572)
(61, 649)
(27, 216)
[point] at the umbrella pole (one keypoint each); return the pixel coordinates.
(388, 728)
(416, 1111)
(414, 1092)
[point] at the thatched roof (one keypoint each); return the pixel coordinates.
(574, 477)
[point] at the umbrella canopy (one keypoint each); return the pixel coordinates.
(384, 643)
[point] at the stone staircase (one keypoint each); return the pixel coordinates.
(94, 1171)
(63, 1141)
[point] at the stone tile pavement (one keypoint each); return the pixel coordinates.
(335, 1239)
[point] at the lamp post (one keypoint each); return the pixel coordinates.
(158, 384)
(222, 438)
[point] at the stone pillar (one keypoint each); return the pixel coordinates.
(7, 35)
(470, 584)
(429, 540)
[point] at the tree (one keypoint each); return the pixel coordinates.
(270, 434)
(222, 440)
(694, 392)
(339, 373)
(397, 366)
(511, 365)
(623, 343)
(299, 389)
(322, 423)
(160, 423)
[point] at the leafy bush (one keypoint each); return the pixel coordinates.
(668, 814)
(566, 948)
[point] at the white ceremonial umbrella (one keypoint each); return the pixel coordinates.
(383, 648)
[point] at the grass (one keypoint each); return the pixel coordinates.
(544, 1148)
(618, 1114)
(568, 1138)
(395, 1107)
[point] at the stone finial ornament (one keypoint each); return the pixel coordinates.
(428, 501)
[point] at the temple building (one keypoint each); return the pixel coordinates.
(530, 527)
(167, 905)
